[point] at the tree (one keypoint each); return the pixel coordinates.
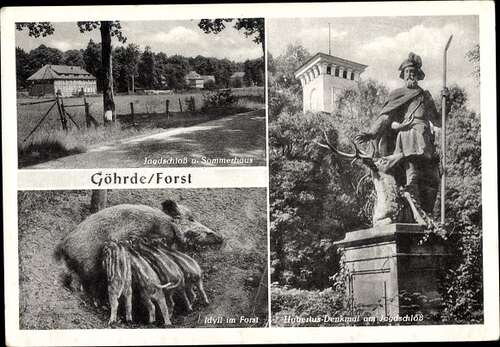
(132, 54)
(108, 30)
(287, 63)
(474, 57)
(73, 57)
(147, 69)
(315, 197)
(22, 68)
(92, 61)
(43, 55)
(250, 26)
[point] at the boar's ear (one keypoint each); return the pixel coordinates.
(170, 207)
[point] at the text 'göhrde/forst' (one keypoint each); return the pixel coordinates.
(104, 179)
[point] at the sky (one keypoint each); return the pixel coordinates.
(171, 37)
(383, 43)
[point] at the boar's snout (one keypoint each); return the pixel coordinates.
(199, 234)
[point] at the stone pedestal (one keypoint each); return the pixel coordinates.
(390, 273)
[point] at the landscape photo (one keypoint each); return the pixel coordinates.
(373, 220)
(140, 93)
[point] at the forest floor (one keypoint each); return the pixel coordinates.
(231, 271)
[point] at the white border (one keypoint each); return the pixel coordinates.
(488, 331)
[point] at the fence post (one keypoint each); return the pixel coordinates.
(180, 104)
(132, 111)
(193, 103)
(167, 104)
(88, 122)
(60, 109)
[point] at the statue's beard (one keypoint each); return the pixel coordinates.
(411, 83)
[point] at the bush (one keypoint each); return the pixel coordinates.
(286, 301)
(220, 98)
(462, 288)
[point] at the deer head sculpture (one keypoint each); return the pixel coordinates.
(389, 205)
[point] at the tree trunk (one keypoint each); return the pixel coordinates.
(98, 200)
(133, 82)
(107, 95)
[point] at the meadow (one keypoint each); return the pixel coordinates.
(50, 141)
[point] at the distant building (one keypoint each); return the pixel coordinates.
(195, 80)
(323, 77)
(70, 80)
(237, 79)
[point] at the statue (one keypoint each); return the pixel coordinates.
(404, 164)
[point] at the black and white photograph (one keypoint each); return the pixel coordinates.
(250, 173)
(375, 171)
(154, 258)
(108, 94)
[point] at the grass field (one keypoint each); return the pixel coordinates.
(45, 217)
(50, 141)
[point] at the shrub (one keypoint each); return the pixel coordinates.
(220, 98)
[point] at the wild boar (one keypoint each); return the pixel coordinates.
(82, 248)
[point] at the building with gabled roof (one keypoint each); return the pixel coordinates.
(69, 80)
(195, 80)
(323, 77)
(237, 79)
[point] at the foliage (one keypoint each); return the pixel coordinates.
(36, 29)
(474, 57)
(73, 57)
(286, 301)
(314, 200)
(463, 284)
(115, 28)
(315, 197)
(219, 98)
(147, 68)
(285, 95)
(250, 26)
(93, 64)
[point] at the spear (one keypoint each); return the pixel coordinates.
(443, 133)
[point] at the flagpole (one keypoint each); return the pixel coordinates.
(443, 135)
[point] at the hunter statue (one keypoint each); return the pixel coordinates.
(405, 126)
(404, 163)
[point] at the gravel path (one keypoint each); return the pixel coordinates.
(241, 136)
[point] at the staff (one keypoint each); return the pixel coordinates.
(443, 133)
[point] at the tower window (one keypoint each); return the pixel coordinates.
(344, 74)
(352, 76)
(336, 72)
(328, 70)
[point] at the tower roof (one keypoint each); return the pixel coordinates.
(329, 59)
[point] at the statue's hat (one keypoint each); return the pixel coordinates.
(415, 61)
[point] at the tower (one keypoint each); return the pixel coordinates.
(323, 77)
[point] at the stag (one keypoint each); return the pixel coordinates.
(392, 202)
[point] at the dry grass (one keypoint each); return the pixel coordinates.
(50, 141)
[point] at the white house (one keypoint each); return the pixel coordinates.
(195, 80)
(323, 77)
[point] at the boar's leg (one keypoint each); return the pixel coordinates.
(113, 304)
(128, 304)
(185, 300)
(162, 303)
(199, 285)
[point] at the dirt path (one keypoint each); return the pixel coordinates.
(241, 136)
(46, 217)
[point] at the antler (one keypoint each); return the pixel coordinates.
(358, 153)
